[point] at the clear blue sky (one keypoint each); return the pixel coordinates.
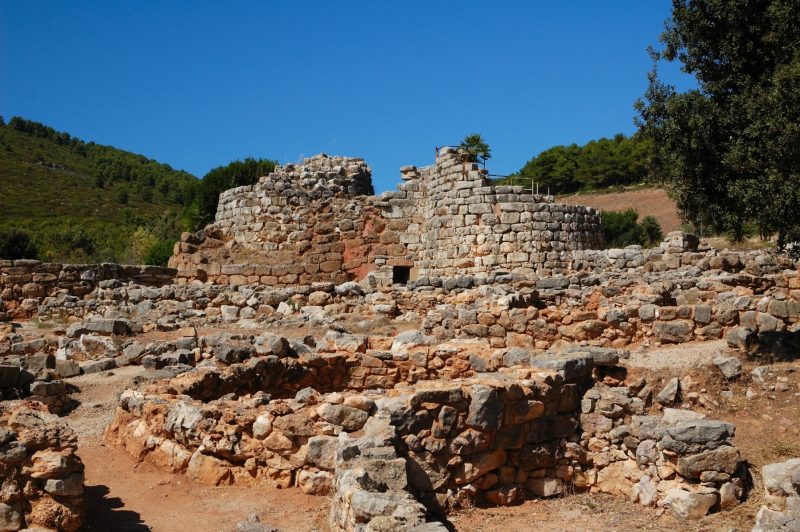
(197, 84)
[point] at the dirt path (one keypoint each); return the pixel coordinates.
(122, 495)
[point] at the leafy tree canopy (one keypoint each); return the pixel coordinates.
(601, 163)
(16, 244)
(729, 151)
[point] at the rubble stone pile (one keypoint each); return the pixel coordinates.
(41, 477)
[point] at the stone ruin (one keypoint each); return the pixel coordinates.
(319, 221)
(404, 456)
(495, 371)
(41, 477)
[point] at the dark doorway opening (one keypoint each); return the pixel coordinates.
(401, 274)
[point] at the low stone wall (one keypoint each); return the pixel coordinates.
(24, 284)
(40, 474)
(543, 425)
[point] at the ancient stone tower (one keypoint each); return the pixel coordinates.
(319, 221)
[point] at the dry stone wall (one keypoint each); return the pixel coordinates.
(24, 284)
(41, 475)
(540, 426)
(319, 222)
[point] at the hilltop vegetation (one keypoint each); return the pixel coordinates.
(79, 201)
(598, 164)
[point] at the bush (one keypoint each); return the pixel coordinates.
(620, 229)
(652, 235)
(142, 240)
(235, 174)
(16, 244)
(159, 253)
(67, 245)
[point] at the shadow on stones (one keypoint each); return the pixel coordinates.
(106, 513)
(423, 490)
(779, 346)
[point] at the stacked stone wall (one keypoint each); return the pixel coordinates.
(467, 225)
(40, 473)
(540, 426)
(319, 222)
(24, 284)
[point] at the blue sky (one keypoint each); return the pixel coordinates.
(197, 84)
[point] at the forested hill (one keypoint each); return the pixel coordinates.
(599, 164)
(81, 201)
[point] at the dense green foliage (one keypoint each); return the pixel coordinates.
(16, 244)
(729, 151)
(82, 202)
(110, 167)
(476, 147)
(159, 253)
(600, 163)
(235, 174)
(620, 229)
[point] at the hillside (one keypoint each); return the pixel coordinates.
(646, 201)
(82, 201)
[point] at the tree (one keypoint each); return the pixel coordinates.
(620, 228)
(476, 148)
(16, 244)
(600, 163)
(729, 151)
(159, 253)
(142, 240)
(236, 174)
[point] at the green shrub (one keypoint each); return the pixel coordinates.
(68, 244)
(652, 235)
(159, 253)
(620, 229)
(16, 244)
(235, 174)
